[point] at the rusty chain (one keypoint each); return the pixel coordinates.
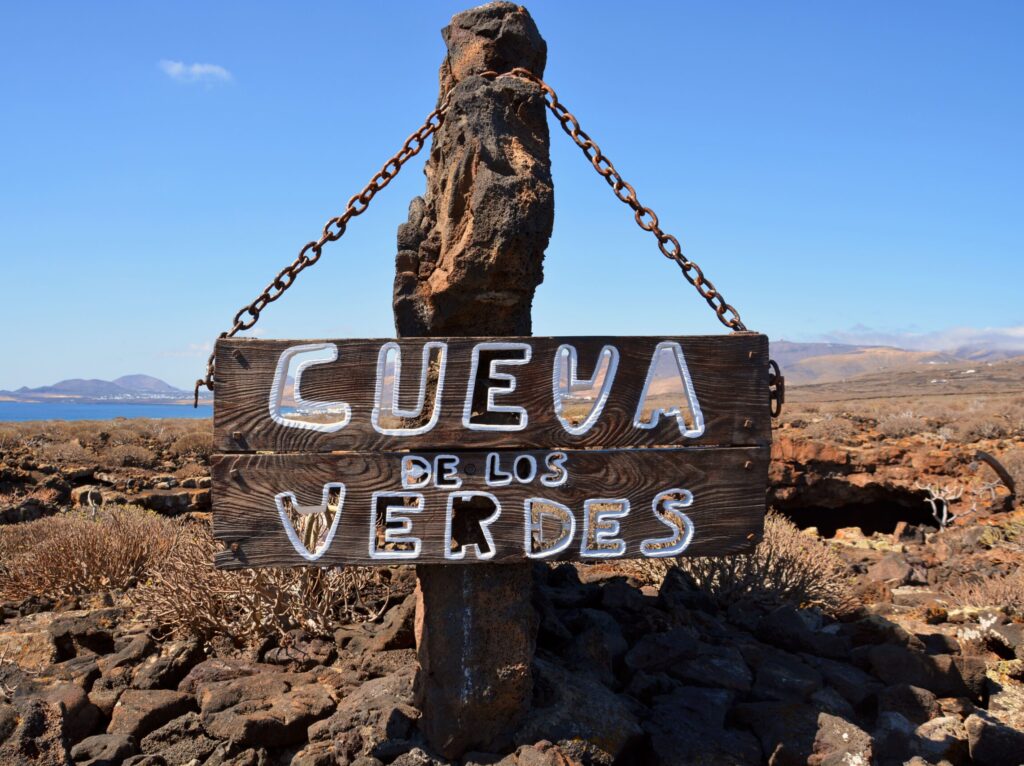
(646, 218)
(310, 253)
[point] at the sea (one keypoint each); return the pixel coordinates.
(22, 411)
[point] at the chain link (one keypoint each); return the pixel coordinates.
(310, 253)
(645, 218)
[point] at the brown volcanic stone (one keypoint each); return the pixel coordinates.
(264, 710)
(373, 716)
(35, 734)
(913, 703)
(582, 716)
(470, 254)
(79, 716)
(104, 749)
(181, 740)
(945, 675)
(992, 743)
(138, 712)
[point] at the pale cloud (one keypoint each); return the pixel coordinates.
(950, 339)
(198, 73)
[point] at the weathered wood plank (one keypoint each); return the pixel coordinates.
(726, 484)
(729, 375)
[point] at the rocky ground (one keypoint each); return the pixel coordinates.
(629, 669)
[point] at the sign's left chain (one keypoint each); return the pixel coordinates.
(310, 253)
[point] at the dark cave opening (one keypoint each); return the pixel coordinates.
(870, 517)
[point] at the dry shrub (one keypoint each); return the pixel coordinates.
(900, 424)
(191, 471)
(135, 435)
(833, 429)
(186, 596)
(1014, 414)
(129, 456)
(785, 567)
(10, 436)
(74, 553)
(980, 428)
(1006, 592)
(65, 452)
(198, 444)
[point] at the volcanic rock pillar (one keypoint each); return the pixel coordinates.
(470, 258)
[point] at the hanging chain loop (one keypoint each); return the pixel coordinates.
(646, 218)
(310, 253)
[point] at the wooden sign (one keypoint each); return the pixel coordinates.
(473, 450)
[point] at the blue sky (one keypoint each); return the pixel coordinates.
(840, 170)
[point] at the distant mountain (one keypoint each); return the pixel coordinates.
(126, 388)
(146, 383)
(811, 363)
(964, 378)
(76, 387)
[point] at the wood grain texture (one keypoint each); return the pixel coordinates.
(729, 374)
(728, 486)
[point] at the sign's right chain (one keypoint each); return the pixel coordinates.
(645, 217)
(310, 253)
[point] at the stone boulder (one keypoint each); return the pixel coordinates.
(945, 675)
(662, 651)
(85, 632)
(376, 719)
(301, 651)
(167, 669)
(139, 712)
(263, 710)
(795, 734)
(104, 750)
(180, 740)
(579, 714)
(687, 728)
(992, 743)
(716, 665)
(35, 733)
(912, 702)
(788, 628)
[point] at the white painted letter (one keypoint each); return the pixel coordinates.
(415, 472)
(446, 472)
(284, 499)
(493, 475)
(473, 420)
(600, 525)
(567, 386)
(531, 468)
(537, 510)
(386, 395)
(673, 388)
(672, 501)
(555, 463)
(395, 526)
(483, 525)
(315, 411)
